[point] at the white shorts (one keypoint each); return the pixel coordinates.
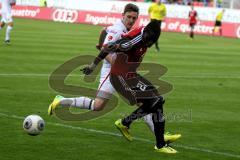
(105, 88)
(6, 18)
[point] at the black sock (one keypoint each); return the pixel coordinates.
(192, 35)
(159, 125)
(156, 45)
(138, 113)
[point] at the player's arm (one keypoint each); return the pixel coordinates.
(149, 11)
(101, 38)
(119, 46)
(106, 49)
(164, 11)
(12, 2)
(110, 37)
(90, 68)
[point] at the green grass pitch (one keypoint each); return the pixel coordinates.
(203, 107)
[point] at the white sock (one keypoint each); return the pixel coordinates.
(149, 122)
(80, 102)
(9, 28)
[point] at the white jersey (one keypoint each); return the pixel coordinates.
(114, 33)
(6, 10)
(6, 6)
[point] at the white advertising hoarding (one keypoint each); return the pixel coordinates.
(173, 11)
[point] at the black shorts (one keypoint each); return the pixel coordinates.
(192, 25)
(218, 23)
(159, 22)
(134, 89)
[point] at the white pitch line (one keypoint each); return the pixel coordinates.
(167, 76)
(136, 138)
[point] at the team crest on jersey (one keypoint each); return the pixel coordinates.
(110, 38)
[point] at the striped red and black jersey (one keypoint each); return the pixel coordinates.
(128, 61)
(192, 17)
(138, 49)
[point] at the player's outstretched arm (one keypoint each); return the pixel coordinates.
(90, 68)
(119, 46)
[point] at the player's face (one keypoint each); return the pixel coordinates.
(158, 1)
(129, 18)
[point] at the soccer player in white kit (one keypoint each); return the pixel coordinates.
(7, 17)
(105, 89)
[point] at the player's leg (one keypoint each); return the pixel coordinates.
(214, 28)
(192, 31)
(2, 22)
(220, 28)
(158, 122)
(156, 43)
(131, 89)
(104, 93)
(157, 47)
(168, 137)
(153, 106)
(128, 89)
(159, 127)
(9, 22)
(123, 125)
(96, 104)
(8, 31)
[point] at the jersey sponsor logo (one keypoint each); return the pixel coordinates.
(65, 15)
(110, 38)
(25, 12)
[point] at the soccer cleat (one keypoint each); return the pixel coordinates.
(169, 138)
(157, 50)
(165, 149)
(7, 42)
(123, 129)
(54, 104)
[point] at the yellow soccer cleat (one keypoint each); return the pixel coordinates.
(123, 129)
(165, 149)
(169, 138)
(54, 104)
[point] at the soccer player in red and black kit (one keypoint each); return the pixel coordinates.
(192, 20)
(130, 51)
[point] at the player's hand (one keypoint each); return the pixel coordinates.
(88, 69)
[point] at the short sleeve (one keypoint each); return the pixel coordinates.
(111, 37)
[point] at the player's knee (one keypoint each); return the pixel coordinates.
(2, 24)
(10, 24)
(99, 104)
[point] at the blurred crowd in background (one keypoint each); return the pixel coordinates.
(206, 3)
